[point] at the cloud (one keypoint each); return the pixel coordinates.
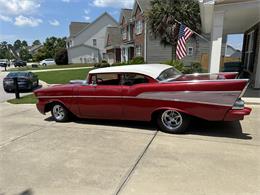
(5, 18)
(27, 21)
(87, 18)
(17, 7)
(86, 11)
(113, 3)
(66, 1)
(54, 22)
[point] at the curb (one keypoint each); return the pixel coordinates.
(252, 101)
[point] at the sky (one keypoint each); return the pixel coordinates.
(38, 19)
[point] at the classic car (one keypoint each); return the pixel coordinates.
(148, 92)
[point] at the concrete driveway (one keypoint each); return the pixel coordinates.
(39, 156)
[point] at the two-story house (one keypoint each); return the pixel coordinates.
(137, 39)
(86, 43)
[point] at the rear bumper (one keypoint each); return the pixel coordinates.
(235, 115)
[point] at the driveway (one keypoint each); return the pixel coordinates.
(39, 156)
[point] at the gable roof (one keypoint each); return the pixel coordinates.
(75, 27)
(95, 21)
(145, 5)
(125, 13)
(114, 35)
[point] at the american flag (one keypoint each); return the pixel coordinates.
(184, 34)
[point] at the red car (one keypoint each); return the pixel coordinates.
(148, 92)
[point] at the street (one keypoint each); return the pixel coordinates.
(39, 156)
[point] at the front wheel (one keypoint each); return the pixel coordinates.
(59, 113)
(172, 121)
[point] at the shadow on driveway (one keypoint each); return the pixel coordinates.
(197, 127)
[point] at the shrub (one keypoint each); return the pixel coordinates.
(137, 60)
(101, 65)
(61, 57)
(195, 67)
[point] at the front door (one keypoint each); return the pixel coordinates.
(103, 98)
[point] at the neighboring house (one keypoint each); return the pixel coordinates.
(113, 42)
(86, 43)
(222, 17)
(137, 39)
(34, 49)
(232, 52)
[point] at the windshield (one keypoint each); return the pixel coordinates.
(169, 74)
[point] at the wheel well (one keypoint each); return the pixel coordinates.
(50, 105)
(156, 113)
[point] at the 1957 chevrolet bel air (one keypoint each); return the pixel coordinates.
(148, 92)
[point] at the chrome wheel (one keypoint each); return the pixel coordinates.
(58, 112)
(171, 119)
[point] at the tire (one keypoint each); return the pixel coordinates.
(44, 64)
(59, 113)
(172, 121)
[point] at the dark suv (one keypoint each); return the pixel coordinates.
(19, 63)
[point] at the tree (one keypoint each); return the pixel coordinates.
(17, 44)
(24, 44)
(163, 17)
(5, 52)
(24, 54)
(36, 42)
(53, 44)
(61, 57)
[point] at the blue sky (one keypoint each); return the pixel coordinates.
(37, 19)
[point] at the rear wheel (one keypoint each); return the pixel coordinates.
(60, 113)
(172, 121)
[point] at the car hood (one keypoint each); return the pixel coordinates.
(56, 90)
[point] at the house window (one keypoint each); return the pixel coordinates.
(138, 27)
(249, 51)
(190, 51)
(81, 61)
(94, 42)
(138, 50)
(124, 34)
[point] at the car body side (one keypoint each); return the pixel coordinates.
(207, 99)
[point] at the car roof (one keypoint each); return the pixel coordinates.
(151, 70)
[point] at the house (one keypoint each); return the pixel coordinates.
(223, 17)
(34, 49)
(232, 52)
(86, 42)
(113, 42)
(137, 39)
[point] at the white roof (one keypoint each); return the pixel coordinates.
(152, 70)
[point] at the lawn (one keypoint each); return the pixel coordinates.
(63, 76)
(29, 99)
(29, 67)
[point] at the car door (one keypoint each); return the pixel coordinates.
(102, 98)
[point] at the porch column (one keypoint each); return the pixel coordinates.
(257, 72)
(216, 41)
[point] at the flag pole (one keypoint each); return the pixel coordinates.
(202, 37)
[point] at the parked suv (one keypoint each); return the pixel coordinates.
(47, 62)
(19, 63)
(4, 63)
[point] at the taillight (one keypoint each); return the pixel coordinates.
(239, 105)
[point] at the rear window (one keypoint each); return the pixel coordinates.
(17, 74)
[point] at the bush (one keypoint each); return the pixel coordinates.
(137, 60)
(61, 57)
(101, 65)
(195, 67)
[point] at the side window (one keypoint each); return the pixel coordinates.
(108, 79)
(131, 79)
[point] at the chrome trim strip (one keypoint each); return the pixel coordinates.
(197, 81)
(221, 98)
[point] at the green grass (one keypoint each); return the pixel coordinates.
(27, 68)
(63, 76)
(29, 99)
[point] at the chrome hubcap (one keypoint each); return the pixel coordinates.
(172, 119)
(58, 112)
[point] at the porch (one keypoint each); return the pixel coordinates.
(222, 17)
